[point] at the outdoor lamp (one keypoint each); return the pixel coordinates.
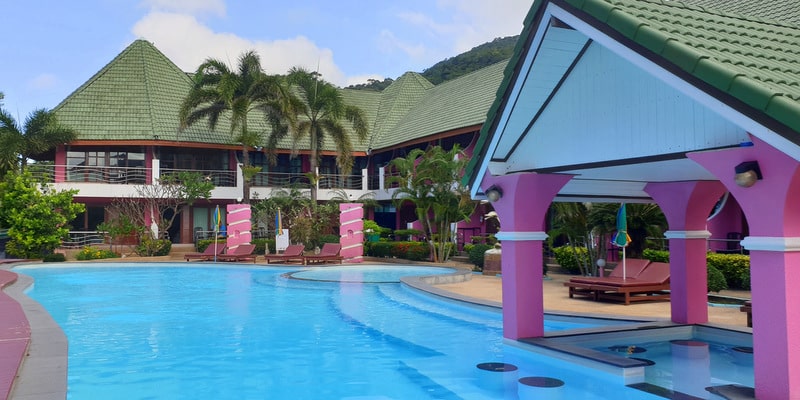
(494, 193)
(747, 173)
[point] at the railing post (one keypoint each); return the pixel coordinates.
(156, 174)
(365, 179)
(382, 178)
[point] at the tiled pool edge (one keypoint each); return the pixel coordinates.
(42, 374)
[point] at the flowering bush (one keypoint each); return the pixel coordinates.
(90, 253)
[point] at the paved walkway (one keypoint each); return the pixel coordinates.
(556, 299)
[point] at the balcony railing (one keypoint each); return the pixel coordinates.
(330, 181)
(217, 177)
(281, 179)
(138, 176)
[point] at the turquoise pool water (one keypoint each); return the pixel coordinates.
(214, 332)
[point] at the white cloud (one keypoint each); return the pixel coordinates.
(44, 81)
(193, 7)
(479, 21)
(188, 43)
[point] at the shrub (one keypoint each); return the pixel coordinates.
(54, 257)
(476, 254)
(91, 253)
(329, 238)
(656, 255)
(403, 234)
(468, 247)
(735, 267)
(418, 252)
(566, 258)
(716, 280)
(262, 245)
(379, 249)
(153, 247)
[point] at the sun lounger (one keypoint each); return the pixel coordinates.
(582, 285)
(293, 252)
(207, 254)
(650, 284)
(329, 253)
(240, 253)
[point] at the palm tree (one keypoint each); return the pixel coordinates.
(219, 91)
(41, 133)
(431, 181)
(320, 110)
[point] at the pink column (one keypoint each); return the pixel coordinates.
(239, 225)
(687, 206)
(522, 207)
(773, 214)
(351, 231)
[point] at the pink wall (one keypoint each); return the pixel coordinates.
(351, 231)
(239, 225)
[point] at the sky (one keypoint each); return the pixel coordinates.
(49, 48)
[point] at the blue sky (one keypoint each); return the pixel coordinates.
(51, 47)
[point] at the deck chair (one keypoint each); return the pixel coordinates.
(582, 285)
(207, 254)
(293, 252)
(240, 253)
(650, 284)
(329, 253)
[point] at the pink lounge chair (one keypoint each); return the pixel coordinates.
(293, 252)
(582, 285)
(651, 284)
(328, 253)
(207, 254)
(240, 253)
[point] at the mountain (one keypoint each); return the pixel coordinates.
(478, 57)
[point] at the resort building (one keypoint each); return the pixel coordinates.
(126, 116)
(669, 102)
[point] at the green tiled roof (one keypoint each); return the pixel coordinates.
(451, 105)
(750, 60)
(134, 97)
(137, 96)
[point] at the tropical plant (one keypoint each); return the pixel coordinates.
(320, 110)
(159, 204)
(37, 216)
(219, 90)
(306, 224)
(40, 134)
(431, 181)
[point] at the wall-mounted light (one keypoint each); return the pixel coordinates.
(747, 173)
(494, 193)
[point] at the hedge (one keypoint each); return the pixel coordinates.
(415, 251)
(735, 268)
(476, 253)
(565, 257)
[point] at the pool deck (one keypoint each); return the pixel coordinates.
(42, 373)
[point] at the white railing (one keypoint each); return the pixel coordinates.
(81, 239)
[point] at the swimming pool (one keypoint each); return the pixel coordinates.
(213, 332)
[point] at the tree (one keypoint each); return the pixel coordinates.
(431, 180)
(320, 110)
(41, 133)
(219, 91)
(36, 215)
(160, 203)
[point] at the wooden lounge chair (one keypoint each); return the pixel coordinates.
(329, 253)
(582, 285)
(293, 252)
(207, 254)
(240, 253)
(650, 284)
